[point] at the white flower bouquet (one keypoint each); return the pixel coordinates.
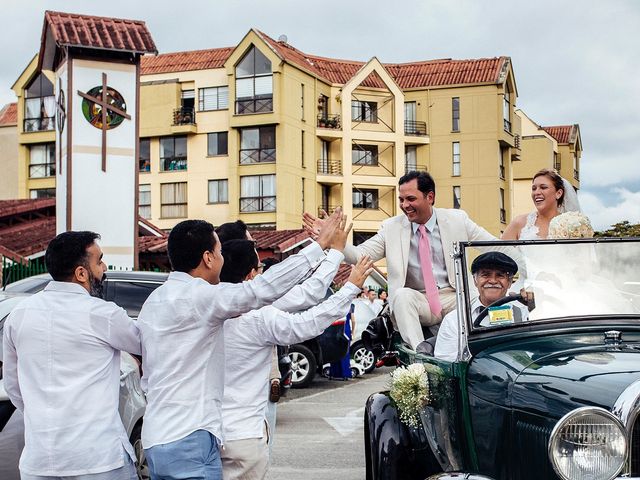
(410, 392)
(570, 225)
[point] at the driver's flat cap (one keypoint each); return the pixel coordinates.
(494, 260)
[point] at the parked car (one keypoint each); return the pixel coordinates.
(556, 395)
(360, 354)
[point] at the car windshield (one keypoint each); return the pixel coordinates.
(558, 279)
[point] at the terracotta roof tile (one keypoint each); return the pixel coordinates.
(152, 244)
(17, 207)
(342, 275)
(562, 133)
(74, 30)
(278, 240)
(9, 115)
(185, 61)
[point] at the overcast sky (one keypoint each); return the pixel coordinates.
(574, 61)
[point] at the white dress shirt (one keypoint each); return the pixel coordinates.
(415, 280)
(62, 369)
(448, 335)
(249, 341)
(183, 344)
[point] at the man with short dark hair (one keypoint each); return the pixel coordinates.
(233, 231)
(493, 276)
(183, 345)
(417, 246)
(62, 368)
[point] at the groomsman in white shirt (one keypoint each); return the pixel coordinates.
(62, 368)
(183, 346)
(249, 341)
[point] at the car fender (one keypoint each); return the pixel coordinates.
(394, 451)
(458, 476)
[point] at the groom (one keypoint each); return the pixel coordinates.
(417, 246)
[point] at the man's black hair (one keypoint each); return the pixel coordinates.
(187, 243)
(268, 263)
(232, 231)
(240, 258)
(66, 252)
(425, 181)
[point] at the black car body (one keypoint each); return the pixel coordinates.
(556, 396)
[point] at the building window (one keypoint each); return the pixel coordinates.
(456, 159)
(254, 83)
(144, 155)
(258, 193)
(173, 153)
(364, 154)
(144, 201)
(257, 145)
(361, 237)
(365, 198)
(217, 143)
(501, 167)
(219, 191)
(213, 98)
(173, 200)
(503, 211)
(39, 105)
(455, 114)
(42, 193)
(556, 161)
(506, 108)
(302, 147)
(457, 197)
(364, 111)
(42, 160)
(410, 158)
(302, 101)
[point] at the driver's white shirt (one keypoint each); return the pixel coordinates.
(448, 335)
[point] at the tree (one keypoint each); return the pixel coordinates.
(621, 229)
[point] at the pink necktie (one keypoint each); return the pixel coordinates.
(430, 287)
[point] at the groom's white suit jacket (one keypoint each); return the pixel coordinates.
(393, 240)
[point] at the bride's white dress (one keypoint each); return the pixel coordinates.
(530, 231)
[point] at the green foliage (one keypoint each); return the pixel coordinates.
(621, 229)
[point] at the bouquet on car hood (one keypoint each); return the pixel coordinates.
(410, 392)
(570, 225)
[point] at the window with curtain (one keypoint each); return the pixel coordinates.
(144, 159)
(217, 143)
(213, 98)
(144, 201)
(456, 159)
(39, 105)
(257, 145)
(365, 198)
(410, 158)
(457, 197)
(254, 83)
(364, 155)
(173, 200)
(219, 191)
(42, 160)
(258, 193)
(173, 153)
(364, 111)
(455, 114)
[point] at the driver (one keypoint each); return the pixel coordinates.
(493, 275)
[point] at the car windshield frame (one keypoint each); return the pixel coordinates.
(462, 254)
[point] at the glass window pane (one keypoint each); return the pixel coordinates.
(268, 185)
(250, 186)
(181, 146)
(246, 66)
(268, 137)
(244, 88)
(38, 155)
(166, 147)
(262, 63)
(250, 138)
(264, 86)
(223, 97)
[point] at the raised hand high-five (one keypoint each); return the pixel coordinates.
(360, 271)
(327, 229)
(339, 240)
(313, 224)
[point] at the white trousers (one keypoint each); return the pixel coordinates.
(246, 459)
(411, 311)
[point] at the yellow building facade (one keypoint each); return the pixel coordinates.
(263, 132)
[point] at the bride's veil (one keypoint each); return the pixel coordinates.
(571, 203)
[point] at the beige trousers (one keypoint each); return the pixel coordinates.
(411, 311)
(246, 459)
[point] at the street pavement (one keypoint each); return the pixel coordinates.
(319, 432)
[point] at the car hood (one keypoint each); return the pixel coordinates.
(555, 374)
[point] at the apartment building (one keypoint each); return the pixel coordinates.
(262, 132)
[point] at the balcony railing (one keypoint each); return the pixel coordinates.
(413, 127)
(254, 105)
(329, 167)
(258, 204)
(411, 166)
(173, 163)
(40, 124)
(184, 116)
(257, 155)
(576, 175)
(42, 170)
(329, 121)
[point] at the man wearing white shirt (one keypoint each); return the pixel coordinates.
(493, 276)
(181, 325)
(250, 339)
(62, 368)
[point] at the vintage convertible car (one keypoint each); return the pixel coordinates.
(554, 395)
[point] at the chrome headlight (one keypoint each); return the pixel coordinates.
(588, 443)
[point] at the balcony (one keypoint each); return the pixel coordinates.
(257, 204)
(412, 166)
(184, 120)
(413, 127)
(42, 170)
(329, 121)
(329, 167)
(40, 124)
(257, 155)
(254, 105)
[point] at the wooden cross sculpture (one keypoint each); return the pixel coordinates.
(102, 101)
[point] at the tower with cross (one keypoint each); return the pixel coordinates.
(96, 61)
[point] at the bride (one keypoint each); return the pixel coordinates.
(551, 195)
